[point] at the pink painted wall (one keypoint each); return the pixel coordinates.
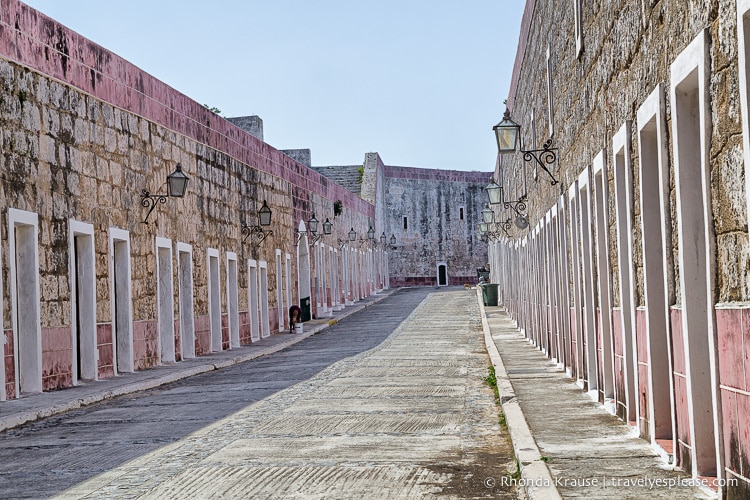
(177, 341)
(33, 40)
(202, 335)
(57, 358)
(245, 333)
(556, 335)
(10, 367)
(106, 349)
(145, 344)
(273, 318)
(412, 173)
(225, 331)
(619, 355)
(573, 343)
(683, 451)
(733, 331)
(548, 333)
(41, 43)
(600, 354)
(641, 344)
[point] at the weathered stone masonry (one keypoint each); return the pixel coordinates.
(649, 112)
(83, 132)
(90, 291)
(441, 209)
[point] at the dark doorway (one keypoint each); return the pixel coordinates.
(442, 275)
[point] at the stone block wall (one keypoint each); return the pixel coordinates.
(348, 176)
(580, 84)
(628, 49)
(301, 156)
(433, 203)
(82, 133)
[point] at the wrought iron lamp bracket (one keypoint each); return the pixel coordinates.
(518, 206)
(543, 157)
(150, 201)
(257, 233)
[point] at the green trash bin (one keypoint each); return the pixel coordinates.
(489, 294)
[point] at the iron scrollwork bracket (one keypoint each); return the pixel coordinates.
(545, 156)
(257, 233)
(151, 200)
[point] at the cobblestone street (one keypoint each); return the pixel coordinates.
(409, 417)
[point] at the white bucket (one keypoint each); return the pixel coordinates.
(298, 328)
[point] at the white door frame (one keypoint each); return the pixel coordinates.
(82, 273)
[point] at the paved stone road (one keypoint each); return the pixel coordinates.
(324, 419)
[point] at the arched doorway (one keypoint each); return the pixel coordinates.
(303, 276)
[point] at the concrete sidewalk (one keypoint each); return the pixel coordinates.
(569, 446)
(32, 407)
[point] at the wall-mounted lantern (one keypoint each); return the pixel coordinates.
(488, 215)
(312, 226)
(370, 236)
(176, 187)
(508, 132)
(258, 233)
(352, 234)
(494, 192)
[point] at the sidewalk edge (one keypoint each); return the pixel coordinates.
(536, 477)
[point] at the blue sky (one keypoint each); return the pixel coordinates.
(420, 82)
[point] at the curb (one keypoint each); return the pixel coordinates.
(205, 366)
(535, 475)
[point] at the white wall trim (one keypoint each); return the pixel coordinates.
(589, 320)
(185, 296)
(622, 170)
(29, 346)
(213, 275)
(253, 300)
(82, 267)
(604, 273)
(690, 86)
(121, 299)
(164, 300)
(657, 260)
(265, 326)
(574, 224)
(280, 309)
(233, 312)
